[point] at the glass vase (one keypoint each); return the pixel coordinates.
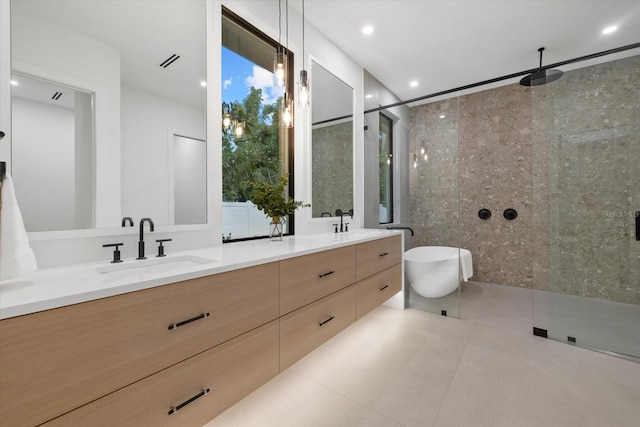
(275, 230)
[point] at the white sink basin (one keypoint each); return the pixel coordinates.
(151, 266)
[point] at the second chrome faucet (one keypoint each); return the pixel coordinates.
(141, 240)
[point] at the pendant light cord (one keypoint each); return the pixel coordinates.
(303, 34)
(279, 22)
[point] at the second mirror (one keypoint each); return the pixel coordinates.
(331, 143)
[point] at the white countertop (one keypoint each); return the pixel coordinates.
(60, 286)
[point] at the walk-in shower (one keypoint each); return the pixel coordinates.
(566, 157)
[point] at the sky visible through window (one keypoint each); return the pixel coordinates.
(239, 75)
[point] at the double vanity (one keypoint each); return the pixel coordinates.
(176, 342)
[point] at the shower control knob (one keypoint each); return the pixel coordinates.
(484, 214)
(510, 214)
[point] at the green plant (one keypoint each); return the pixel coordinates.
(271, 199)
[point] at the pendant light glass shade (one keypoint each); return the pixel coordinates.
(226, 121)
(304, 90)
(280, 67)
(287, 111)
(239, 129)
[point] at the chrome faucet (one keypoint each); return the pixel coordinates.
(141, 241)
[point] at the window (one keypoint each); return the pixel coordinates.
(385, 141)
(255, 147)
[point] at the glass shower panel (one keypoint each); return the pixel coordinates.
(434, 199)
(587, 191)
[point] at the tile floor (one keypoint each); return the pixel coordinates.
(412, 368)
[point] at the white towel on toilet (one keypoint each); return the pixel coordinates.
(16, 256)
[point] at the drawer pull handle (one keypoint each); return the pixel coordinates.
(175, 409)
(384, 254)
(384, 287)
(329, 319)
(184, 322)
(328, 273)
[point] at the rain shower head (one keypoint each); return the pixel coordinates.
(541, 77)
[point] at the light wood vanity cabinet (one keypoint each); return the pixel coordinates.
(305, 329)
(308, 278)
(377, 267)
(377, 255)
(376, 289)
(127, 360)
(57, 360)
(210, 382)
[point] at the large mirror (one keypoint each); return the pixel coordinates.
(108, 112)
(331, 144)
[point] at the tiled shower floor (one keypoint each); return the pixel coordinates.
(412, 368)
(598, 324)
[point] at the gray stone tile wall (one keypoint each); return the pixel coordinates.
(566, 156)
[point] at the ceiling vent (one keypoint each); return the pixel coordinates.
(56, 96)
(170, 60)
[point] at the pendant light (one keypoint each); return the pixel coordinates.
(238, 129)
(541, 77)
(280, 60)
(287, 103)
(226, 121)
(287, 111)
(303, 84)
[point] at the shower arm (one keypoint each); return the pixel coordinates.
(540, 50)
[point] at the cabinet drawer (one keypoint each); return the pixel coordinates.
(307, 328)
(54, 361)
(229, 372)
(374, 290)
(375, 256)
(308, 278)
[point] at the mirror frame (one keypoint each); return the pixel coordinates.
(309, 131)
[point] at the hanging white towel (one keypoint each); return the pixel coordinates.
(16, 256)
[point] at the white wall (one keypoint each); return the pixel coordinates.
(148, 124)
(5, 86)
(44, 169)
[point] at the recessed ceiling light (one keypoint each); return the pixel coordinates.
(610, 29)
(367, 29)
(203, 83)
(413, 83)
(14, 83)
(368, 96)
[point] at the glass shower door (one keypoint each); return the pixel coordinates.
(588, 282)
(434, 192)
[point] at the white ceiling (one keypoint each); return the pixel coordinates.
(448, 44)
(146, 33)
(441, 44)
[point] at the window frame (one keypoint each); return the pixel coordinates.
(288, 132)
